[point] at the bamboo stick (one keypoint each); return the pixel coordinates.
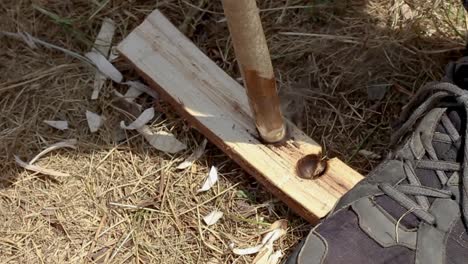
(255, 64)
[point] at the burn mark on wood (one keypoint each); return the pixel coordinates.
(311, 166)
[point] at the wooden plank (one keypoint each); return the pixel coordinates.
(218, 107)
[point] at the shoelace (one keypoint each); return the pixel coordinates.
(429, 97)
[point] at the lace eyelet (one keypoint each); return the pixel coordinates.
(453, 197)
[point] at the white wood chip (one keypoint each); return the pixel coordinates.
(275, 257)
(143, 88)
(246, 251)
(162, 140)
(104, 66)
(132, 93)
(40, 169)
(102, 45)
(70, 143)
(142, 120)
(57, 124)
(278, 229)
(268, 256)
(212, 217)
(99, 81)
(263, 256)
(210, 180)
(197, 153)
(103, 40)
(95, 121)
(272, 236)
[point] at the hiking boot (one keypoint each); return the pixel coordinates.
(412, 208)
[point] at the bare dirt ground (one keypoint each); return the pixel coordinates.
(330, 56)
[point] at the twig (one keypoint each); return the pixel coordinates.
(345, 39)
(47, 45)
(120, 246)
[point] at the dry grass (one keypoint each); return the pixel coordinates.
(125, 202)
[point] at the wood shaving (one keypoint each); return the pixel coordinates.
(143, 88)
(276, 230)
(162, 140)
(210, 180)
(212, 217)
(70, 143)
(95, 121)
(102, 45)
(132, 94)
(57, 124)
(40, 169)
(268, 256)
(197, 153)
(142, 120)
(104, 66)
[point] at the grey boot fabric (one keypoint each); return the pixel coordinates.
(412, 208)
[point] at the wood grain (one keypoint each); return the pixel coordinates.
(218, 107)
(253, 58)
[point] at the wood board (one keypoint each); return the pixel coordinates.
(218, 107)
